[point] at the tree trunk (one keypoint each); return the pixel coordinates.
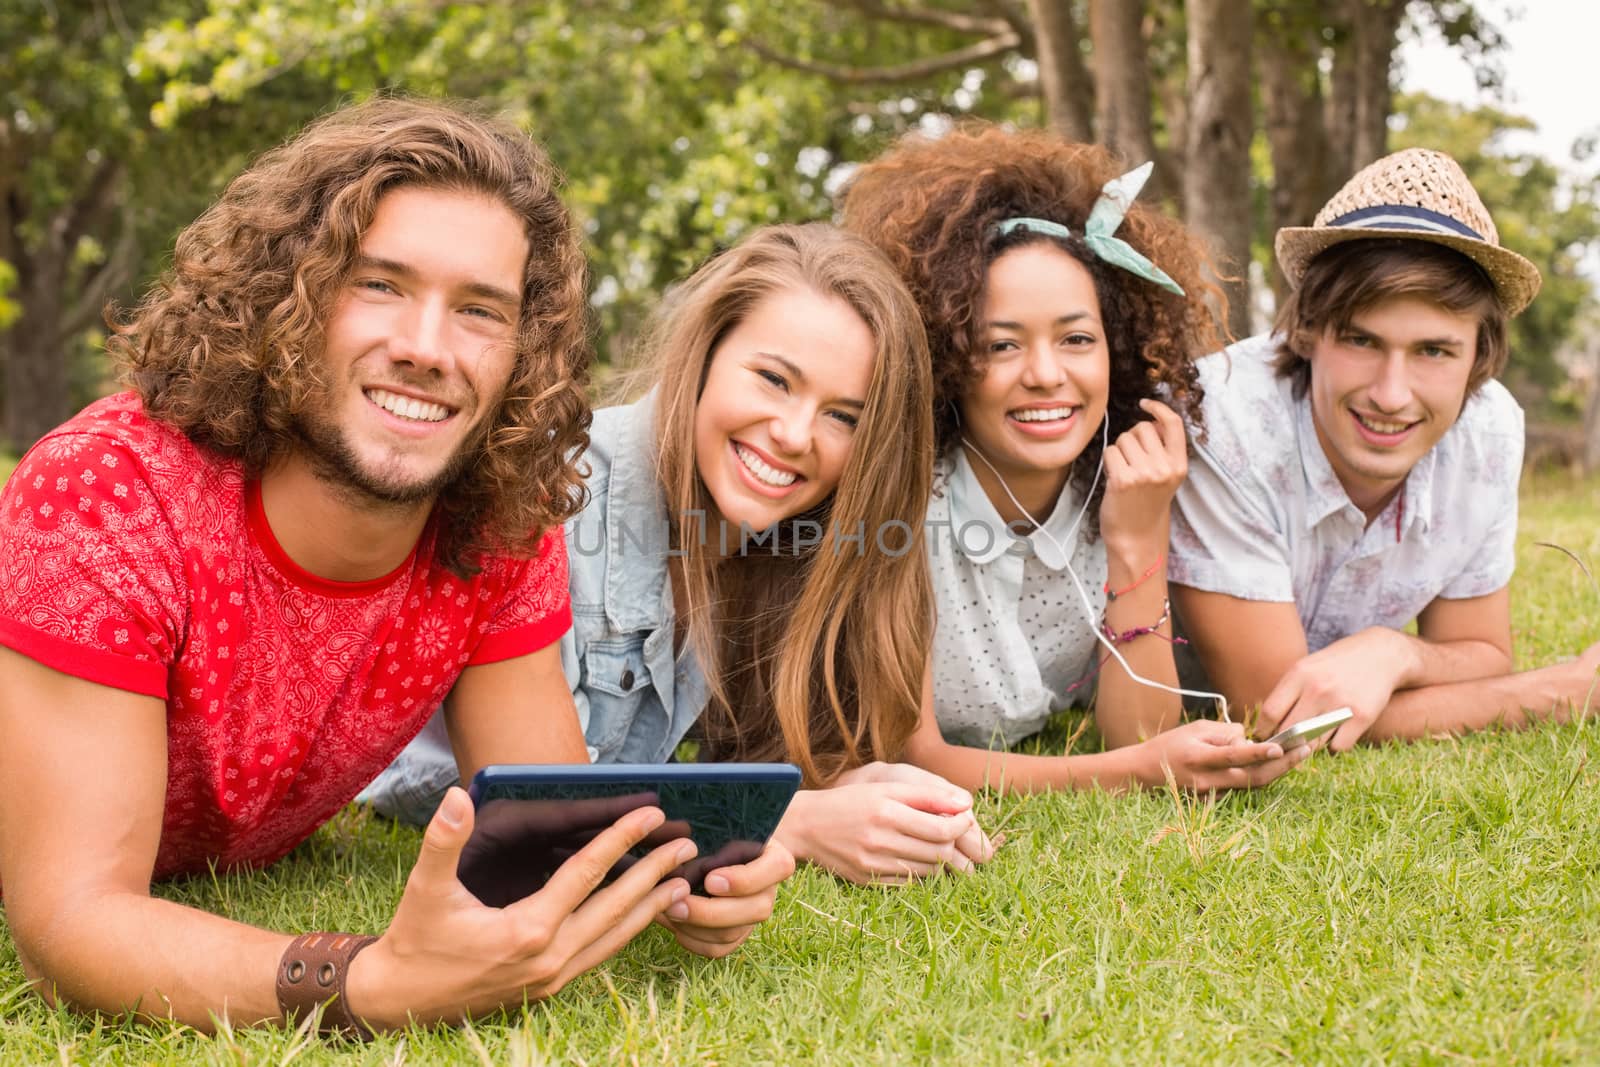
(1063, 78)
(38, 382)
(1217, 177)
(1339, 108)
(1376, 26)
(1359, 91)
(1122, 84)
(59, 298)
(1287, 51)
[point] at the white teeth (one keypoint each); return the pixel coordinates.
(764, 472)
(1042, 414)
(408, 407)
(1379, 426)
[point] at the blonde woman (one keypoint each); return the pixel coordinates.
(749, 570)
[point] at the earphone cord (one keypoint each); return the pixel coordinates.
(1083, 595)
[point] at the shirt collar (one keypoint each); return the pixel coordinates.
(636, 524)
(980, 533)
(1418, 490)
(1326, 496)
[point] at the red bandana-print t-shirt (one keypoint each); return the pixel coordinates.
(131, 557)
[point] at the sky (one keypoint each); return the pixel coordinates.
(1552, 74)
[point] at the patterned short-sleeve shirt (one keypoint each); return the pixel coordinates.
(135, 559)
(1262, 516)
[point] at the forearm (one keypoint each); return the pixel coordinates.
(1126, 710)
(1435, 663)
(1513, 700)
(1014, 773)
(117, 952)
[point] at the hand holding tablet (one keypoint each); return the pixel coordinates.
(532, 818)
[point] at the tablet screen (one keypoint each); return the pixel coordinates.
(531, 820)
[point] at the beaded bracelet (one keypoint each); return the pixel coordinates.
(1112, 594)
(1138, 631)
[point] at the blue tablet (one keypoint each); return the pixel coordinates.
(532, 818)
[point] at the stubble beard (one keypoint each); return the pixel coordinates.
(334, 462)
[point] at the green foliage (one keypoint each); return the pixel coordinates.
(9, 309)
(675, 135)
(1424, 903)
(1547, 214)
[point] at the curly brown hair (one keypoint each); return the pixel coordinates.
(227, 346)
(933, 205)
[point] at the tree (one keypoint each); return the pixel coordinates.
(1216, 185)
(1123, 112)
(88, 200)
(66, 230)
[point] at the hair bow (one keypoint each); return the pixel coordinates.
(1099, 232)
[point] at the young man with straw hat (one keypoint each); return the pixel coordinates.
(1360, 472)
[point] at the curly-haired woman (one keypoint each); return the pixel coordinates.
(1062, 321)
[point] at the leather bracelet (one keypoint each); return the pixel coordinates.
(312, 975)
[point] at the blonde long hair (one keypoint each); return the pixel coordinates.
(815, 654)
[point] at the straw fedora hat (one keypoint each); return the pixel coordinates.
(1418, 195)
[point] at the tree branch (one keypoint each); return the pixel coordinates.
(101, 193)
(927, 16)
(99, 283)
(998, 45)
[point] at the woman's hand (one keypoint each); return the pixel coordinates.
(738, 897)
(1144, 467)
(1205, 755)
(887, 823)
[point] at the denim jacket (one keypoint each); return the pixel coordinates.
(635, 698)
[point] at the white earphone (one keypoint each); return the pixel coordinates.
(1083, 595)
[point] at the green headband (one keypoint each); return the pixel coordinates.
(1116, 196)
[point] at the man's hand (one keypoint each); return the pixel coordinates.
(1145, 466)
(1360, 672)
(1205, 756)
(885, 822)
(738, 898)
(446, 956)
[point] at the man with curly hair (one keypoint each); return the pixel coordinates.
(1360, 472)
(331, 500)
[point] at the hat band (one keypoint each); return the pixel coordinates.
(1404, 217)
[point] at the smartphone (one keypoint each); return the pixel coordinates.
(532, 818)
(1305, 730)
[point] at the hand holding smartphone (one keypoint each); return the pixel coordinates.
(1306, 730)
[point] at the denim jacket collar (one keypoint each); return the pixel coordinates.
(636, 527)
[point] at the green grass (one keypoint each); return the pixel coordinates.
(8, 463)
(1432, 903)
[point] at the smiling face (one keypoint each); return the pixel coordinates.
(420, 345)
(775, 420)
(1046, 379)
(1385, 390)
